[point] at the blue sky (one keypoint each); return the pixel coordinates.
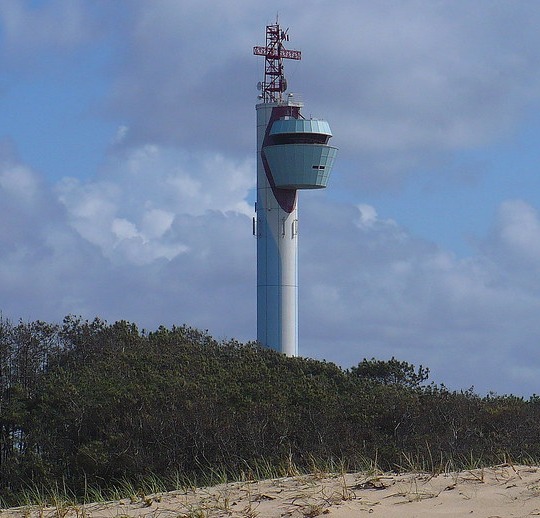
(127, 174)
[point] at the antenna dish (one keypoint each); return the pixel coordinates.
(259, 86)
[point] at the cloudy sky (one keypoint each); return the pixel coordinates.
(127, 174)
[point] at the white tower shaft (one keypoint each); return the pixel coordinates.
(277, 251)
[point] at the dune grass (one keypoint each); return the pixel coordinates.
(63, 499)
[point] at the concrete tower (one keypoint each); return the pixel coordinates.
(292, 153)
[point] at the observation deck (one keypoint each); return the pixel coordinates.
(298, 153)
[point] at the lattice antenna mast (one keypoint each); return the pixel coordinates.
(274, 78)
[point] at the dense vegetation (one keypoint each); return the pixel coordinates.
(89, 403)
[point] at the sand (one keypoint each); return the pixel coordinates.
(498, 492)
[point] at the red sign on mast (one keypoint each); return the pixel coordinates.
(274, 79)
(288, 54)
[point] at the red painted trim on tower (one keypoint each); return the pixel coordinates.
(285, 197)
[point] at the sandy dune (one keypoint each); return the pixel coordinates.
(498, 492)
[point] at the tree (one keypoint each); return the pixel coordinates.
(392, 372)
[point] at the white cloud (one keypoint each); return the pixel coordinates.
(156, 222)
(18, 181)
(121, 134)
(519, 230)
(124, 229)
(403, 85)
(368, 214)
(28, 31)
(375, 290)
(130, 209)
(79, 250)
